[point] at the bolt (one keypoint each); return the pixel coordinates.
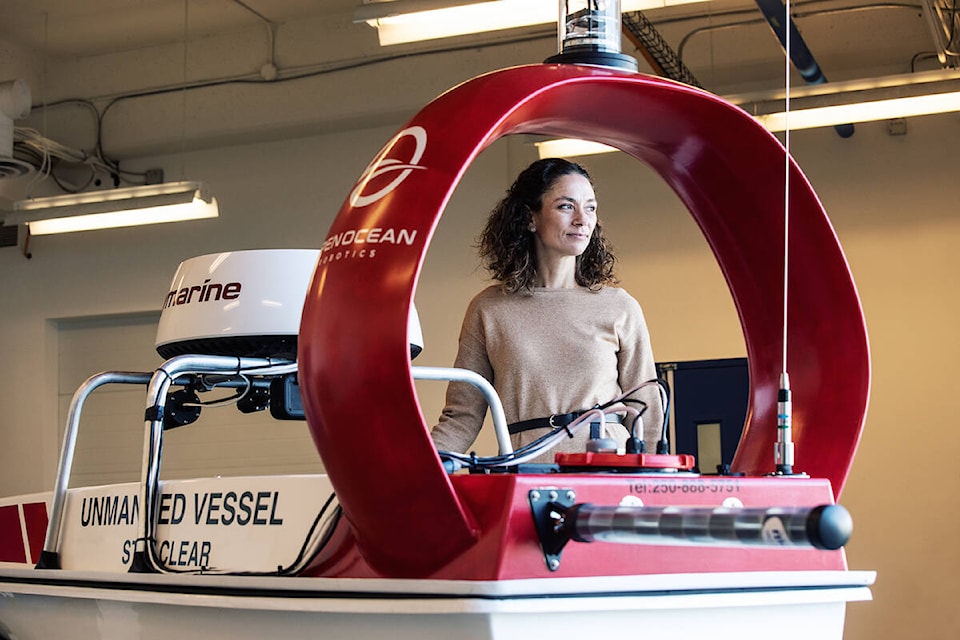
(571, 496)
(553, 563)
(535, 496)
(553, 495)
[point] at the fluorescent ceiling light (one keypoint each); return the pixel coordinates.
(852, 101)
(109, 208)
(862, 112)
(401, 21)
(570, 147)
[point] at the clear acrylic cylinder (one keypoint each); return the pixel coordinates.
(592, 25)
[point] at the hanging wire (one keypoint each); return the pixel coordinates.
(44, 167)
(183, 91)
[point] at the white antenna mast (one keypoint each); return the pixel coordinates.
(784, 450)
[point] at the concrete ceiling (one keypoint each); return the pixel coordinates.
(68, 28)
(101, 51)
(725, 38)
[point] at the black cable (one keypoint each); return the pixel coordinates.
(126, 172)
(66, 189)
(301, 555)
(475, 462)
(796, 14)
(310, 74)
(692, 17)
(472, 461)
(100, 115)
(664, 442)
(97, 148)
(639, 416)
(415, 54)
(238, 395)
(923, 55)
(60, 103)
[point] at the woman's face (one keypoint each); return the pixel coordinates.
(567, 217)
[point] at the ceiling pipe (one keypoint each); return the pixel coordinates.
(800, 55)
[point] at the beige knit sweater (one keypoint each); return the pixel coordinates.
(550, 351)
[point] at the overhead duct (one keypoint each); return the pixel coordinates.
(14, 105)
(800, 55)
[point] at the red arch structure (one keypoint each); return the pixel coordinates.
(358, 393)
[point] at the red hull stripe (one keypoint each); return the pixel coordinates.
(35, 516)
(11, 535)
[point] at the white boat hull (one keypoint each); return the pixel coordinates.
(89, 605)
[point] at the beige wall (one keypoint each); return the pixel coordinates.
(893, 201)
(894, 205)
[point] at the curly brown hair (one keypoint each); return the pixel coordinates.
(506, 244)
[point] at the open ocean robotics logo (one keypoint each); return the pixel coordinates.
(382, 165)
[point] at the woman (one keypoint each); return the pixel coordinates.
(555, 336)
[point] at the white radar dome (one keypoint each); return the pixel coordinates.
(243, 303)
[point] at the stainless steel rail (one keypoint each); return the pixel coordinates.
(145, 557)
(180, 370)
(465, 375)
(51, 542)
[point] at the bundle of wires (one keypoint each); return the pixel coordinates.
(41, 152)
(454, 461)
(45, 154)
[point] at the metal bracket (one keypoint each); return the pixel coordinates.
(549, 507)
